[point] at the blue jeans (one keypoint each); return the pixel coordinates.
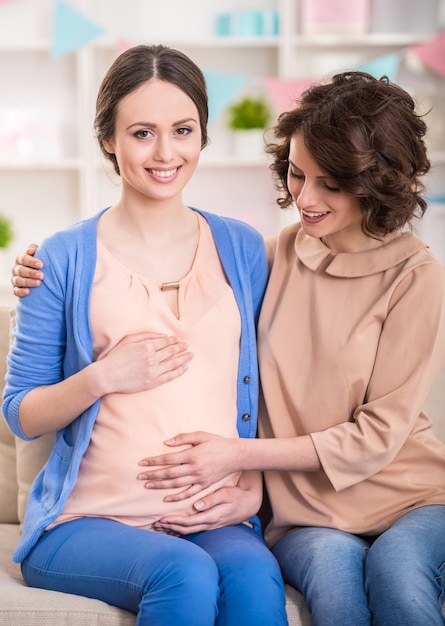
(225, 576)
(394, 579)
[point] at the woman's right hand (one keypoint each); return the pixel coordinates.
(141, 362)
(27, 272)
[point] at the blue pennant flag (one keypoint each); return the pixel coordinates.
(222, 89)
(387, 65)
(71, 30)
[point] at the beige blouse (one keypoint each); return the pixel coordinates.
(349, 345)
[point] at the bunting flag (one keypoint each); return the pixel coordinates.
(123, 45)
(222, 91)
(387, 65)
(71, 30)
(284, 92)
(432, 53)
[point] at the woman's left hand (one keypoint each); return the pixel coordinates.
(209, 458)
(227, 506)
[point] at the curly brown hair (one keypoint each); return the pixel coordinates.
(365, 134)
(133, 68)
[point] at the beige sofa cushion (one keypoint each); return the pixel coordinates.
(24, 606)
(20, 460)
(8, 476)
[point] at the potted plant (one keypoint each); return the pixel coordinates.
(6, 236)
(248, 119)
(6, 232)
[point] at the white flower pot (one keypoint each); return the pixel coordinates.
(248, 143)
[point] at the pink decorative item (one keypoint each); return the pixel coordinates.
(335, 16)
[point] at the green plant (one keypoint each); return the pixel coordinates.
(249, 113)
(6, 232)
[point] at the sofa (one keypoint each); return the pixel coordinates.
(19, 463)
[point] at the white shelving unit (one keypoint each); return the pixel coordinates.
(42, 192)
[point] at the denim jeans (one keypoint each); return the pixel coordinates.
(225, 576)
(394, 579)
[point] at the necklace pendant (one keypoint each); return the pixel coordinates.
(170, 286)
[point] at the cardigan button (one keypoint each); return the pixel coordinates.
(245, 417)
(247, 379)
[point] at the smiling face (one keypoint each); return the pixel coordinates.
(325, 210)
(157, 141)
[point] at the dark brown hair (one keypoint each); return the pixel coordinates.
(365, 133)
(133, 68)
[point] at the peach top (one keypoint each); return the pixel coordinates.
(349, 345)
(130, 427)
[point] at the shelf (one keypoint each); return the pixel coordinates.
(69, 164)
(366, 40)
(304, 41)
(345, 40)
(230, 161)
(205, 42)
(15, 45)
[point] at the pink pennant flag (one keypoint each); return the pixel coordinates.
(123, 45)
(432, 53)
(284, 92)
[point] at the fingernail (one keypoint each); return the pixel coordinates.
(199, 506)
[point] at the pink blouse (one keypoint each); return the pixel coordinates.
(130, 427)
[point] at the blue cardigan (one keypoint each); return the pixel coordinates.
(63, 345)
